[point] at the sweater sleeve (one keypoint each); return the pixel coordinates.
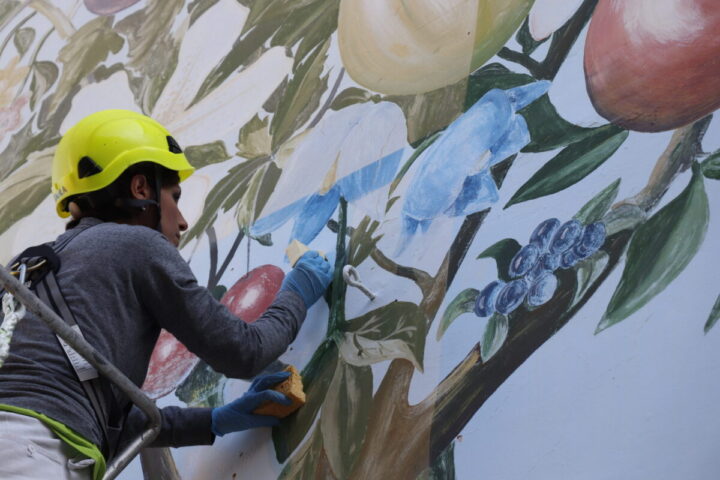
(169, 290)
(181, 427)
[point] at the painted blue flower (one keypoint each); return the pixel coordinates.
(312, 212)
(349, 154)
(453, 176)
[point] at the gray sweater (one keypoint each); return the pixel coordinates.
(124, 283)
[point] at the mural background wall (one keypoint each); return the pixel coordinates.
(426, 143)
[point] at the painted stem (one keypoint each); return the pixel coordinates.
(230, 255)
(338, 288)
(562, 41)
(405, 439)
(685, 145)
(329, 100)
(532, 65)
(421, 278)
(212, 240)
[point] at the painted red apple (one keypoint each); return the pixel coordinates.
(247, 299)
(253, 293)
(108, 7)
(652, 65)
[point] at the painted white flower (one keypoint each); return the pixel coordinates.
(547, 16)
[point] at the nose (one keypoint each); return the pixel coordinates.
(182, 223)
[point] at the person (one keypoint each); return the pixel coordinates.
(117, 174)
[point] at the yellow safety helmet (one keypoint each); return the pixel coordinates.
(101, 146)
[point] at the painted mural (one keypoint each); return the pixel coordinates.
(510, 179)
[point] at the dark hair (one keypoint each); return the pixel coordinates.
(103, 203)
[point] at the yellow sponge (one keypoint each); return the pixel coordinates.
(292, 387)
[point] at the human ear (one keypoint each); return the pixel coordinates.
(140, 187)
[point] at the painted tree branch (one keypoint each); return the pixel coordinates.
(423, 280)
(685, 145)
(423, 431)
(532, 65)
(564, 39)
(560, 45)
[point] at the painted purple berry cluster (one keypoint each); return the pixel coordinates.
(552, 245)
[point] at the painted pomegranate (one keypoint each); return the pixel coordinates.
(108, 7)
(652, 65)
(247, 299)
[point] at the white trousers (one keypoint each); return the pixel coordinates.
(30, 450)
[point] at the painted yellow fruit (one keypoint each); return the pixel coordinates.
(414, 46)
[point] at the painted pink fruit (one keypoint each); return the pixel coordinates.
(169, 364)
(651, 65)
(248, 299)
(108, 7)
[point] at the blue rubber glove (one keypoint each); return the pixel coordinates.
(237, 415)
(309, 278)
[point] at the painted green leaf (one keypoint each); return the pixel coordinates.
(305, 464)
(711, 166)
(428, 113)
(275, 23)
(23, 144)
(353, 96)
(82, 53)
(23, 38)
(44, 75)
(254, 140)
(494, 337)
(526, 41)
(464, 302)
(396, 330)
(203, 387)
(494, 75)
(8, 10)
(588, 271)
(660, 249)
(623, 217)
(362, 242)
(225, 194)
(152, 49)
(256, 194)
(24, 189)
(345, 414)
(572, 164)
(503, 252)
(548, 130)
(197, 7)
(264, 190)
(596, 208)
(316, 375)
(201, 156)
(443, 467)
(714, 315)
(301, 97)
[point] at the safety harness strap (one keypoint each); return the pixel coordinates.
(47, 288)
(49, 292)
